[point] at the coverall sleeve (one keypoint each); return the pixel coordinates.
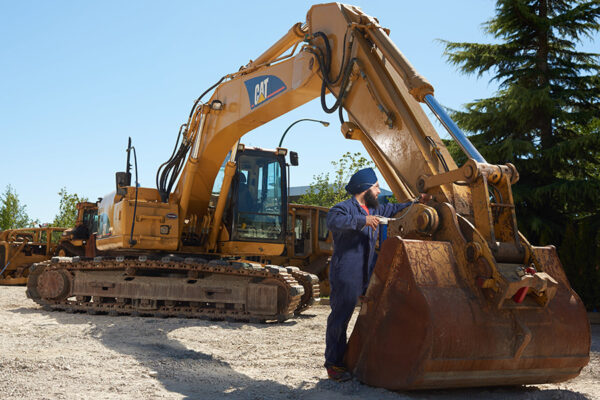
(341, 219)
(388, 210)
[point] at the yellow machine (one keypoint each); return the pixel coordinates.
(20, 248)
(80, 240)
(309, 245)
(458, 296)
(223, 284)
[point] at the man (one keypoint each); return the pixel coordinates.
(354, 225)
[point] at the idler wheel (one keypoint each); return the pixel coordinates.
(53, 285)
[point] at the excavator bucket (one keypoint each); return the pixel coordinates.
(422, 326)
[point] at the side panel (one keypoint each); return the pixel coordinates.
(155, 228)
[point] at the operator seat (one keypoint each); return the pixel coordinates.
(246, 202)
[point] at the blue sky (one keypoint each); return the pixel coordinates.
(79, 77)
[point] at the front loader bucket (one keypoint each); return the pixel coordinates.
(421, 326)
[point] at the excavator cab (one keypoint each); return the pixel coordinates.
(256, 201)
(259, 212)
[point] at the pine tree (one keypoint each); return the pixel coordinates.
(544, 117)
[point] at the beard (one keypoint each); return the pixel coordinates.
(371, 200)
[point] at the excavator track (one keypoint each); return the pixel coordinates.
(170, 287)
(310, 283)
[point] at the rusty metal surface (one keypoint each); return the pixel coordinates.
(53, 284)
(422, 326)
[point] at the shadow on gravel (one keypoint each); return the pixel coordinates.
(197, 375)
(596, 338)
(64, 317)
(304, 316)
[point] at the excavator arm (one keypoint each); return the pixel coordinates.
(378, 89)
(347, 53)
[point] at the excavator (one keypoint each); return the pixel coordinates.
(458, 296)
(191, 280)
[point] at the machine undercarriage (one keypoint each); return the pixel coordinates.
(172, 287)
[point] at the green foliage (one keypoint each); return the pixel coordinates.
(67, 214)
(455, 151)
(13, 214)
(580, 259)
(323, 192)
(544, 119)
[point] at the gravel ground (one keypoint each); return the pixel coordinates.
(50, 355)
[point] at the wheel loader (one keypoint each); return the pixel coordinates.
(458, 296)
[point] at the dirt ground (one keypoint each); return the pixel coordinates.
(52, 355)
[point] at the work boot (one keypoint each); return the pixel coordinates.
(338, 374)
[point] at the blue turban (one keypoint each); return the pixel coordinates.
(361, 181)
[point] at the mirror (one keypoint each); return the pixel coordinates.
(293, 158)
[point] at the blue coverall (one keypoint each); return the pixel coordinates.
(351, 267)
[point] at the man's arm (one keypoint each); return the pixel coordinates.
(389, 210)
(341, 219)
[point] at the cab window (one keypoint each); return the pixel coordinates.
(260, 203)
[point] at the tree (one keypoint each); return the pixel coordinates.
(67, 214)
(543, 119)
(13, 214)
(322, 192)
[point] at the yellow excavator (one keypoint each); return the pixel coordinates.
(190, 281)
(458, 296)
(308, 246)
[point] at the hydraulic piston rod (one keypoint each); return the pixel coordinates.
(419, 87)
(458, 135)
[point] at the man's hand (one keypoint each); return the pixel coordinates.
(424, 198)
(372, 221)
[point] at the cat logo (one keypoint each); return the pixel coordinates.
(262, 88)
(260, 91)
